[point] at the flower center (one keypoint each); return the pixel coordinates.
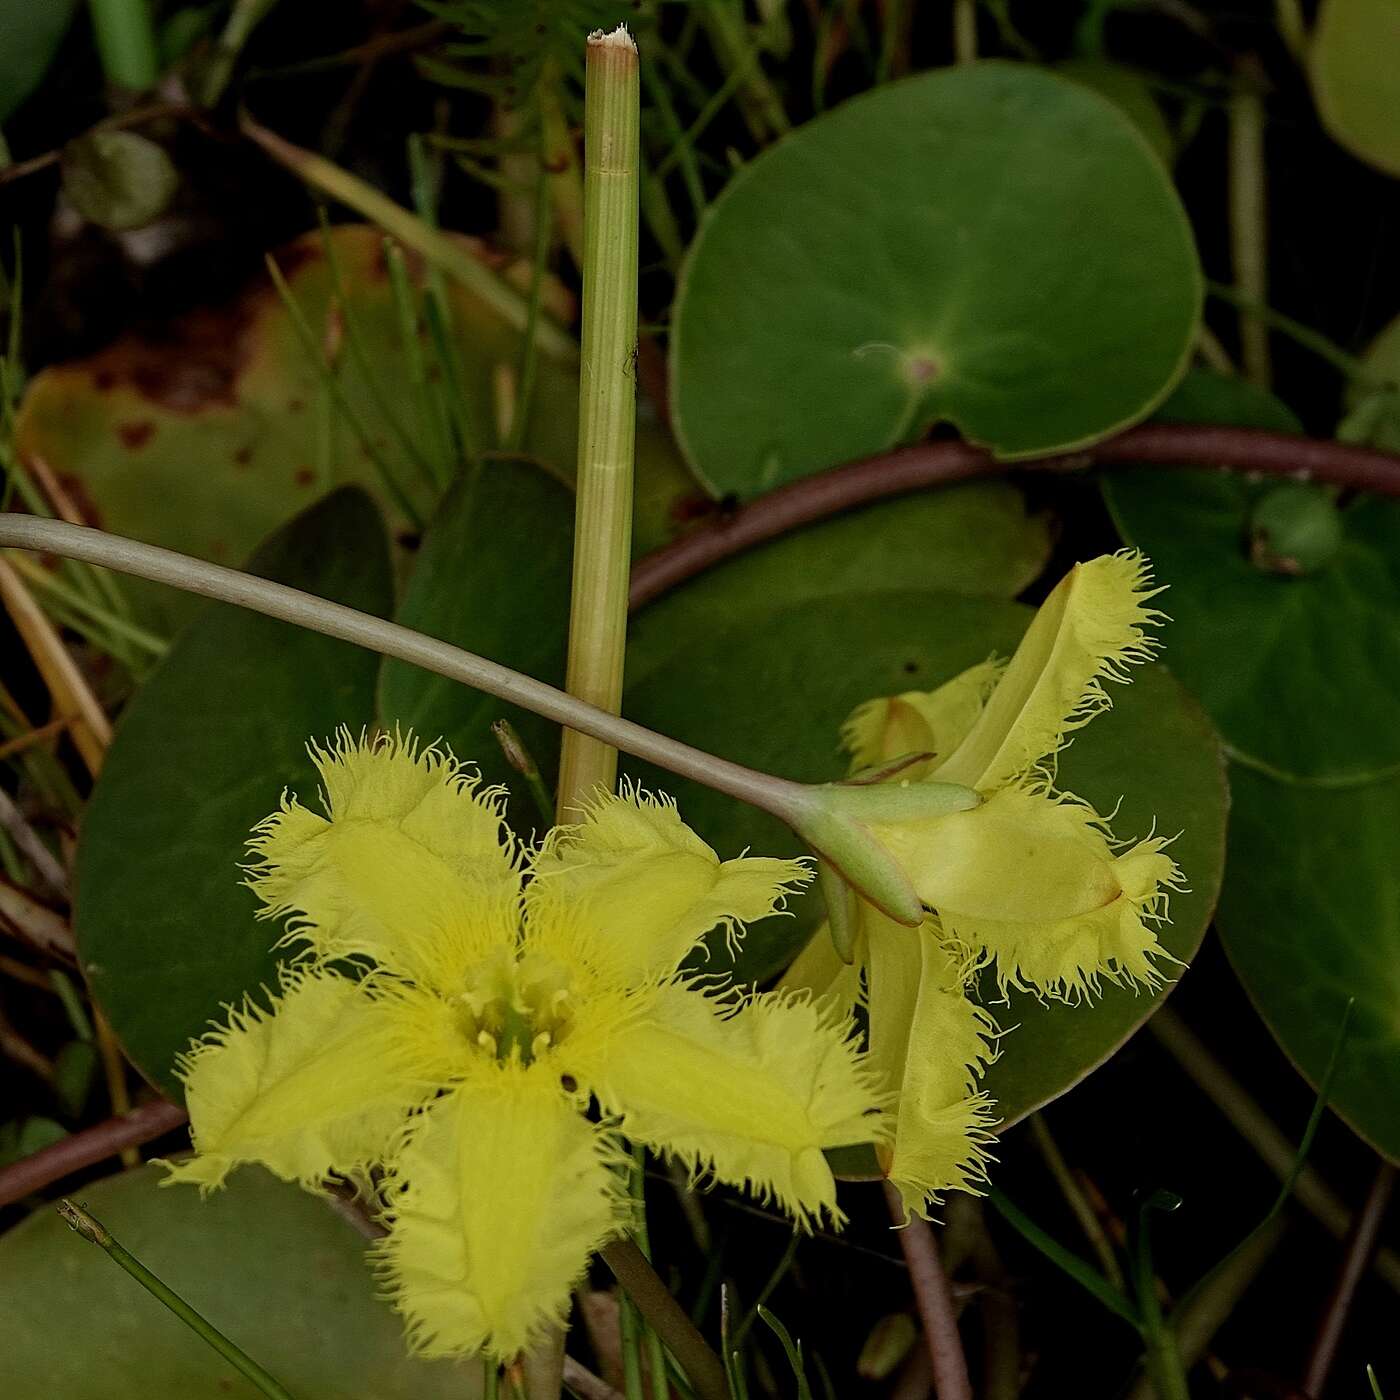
(517, 1007)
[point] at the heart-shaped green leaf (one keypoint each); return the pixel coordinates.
(991, 246)
(1299, 671)
(203, 751)
(493, 577)
(274, 1269)
(972, 539)
(1130, 92)
(773, 691)
(1356, 79)
(32, 36)
(1310, 916)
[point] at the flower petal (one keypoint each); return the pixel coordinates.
(931, 1043)
(918, 721)
(819, 971)
(648, 885)
(495, 1202)
(1085, 633)
(318, 1084)
(414, 867)
(1031, 880)
(1023, 855)
(752, 1096)
(1065, 960)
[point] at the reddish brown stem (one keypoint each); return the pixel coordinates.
(934, 1301)
(1361, 1247)
(151, 1120)
(929, 464)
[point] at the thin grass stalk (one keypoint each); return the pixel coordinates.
(71, 694)
(440, 249)
(735, 47)
(100, 626)
(330, 381)
(92, 1230)
(560, 157)
(245, 16)
(360, 355)
(607, 408)
(529, 348)
(430, 409)
(1083, 1212)
(655, 1349)
(665, 109)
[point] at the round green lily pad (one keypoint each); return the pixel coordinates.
(277, 1271)
(1130, 92)
(1296, 656)
(773, 691)
(1356, 78)
(990, 246)
(1310, 916)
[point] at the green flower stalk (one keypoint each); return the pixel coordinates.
(607, 406)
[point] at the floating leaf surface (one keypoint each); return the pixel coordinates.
(276, 1270)
(1300, 671)
(1310, 916)
(991, 245)
(165, 930)
(973, 539)
(1356, 79)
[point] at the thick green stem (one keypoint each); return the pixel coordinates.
(607, 408)
(96, 1233)
(126, 42)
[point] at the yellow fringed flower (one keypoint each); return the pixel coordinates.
(456, 1002)
(1030, 880)
(929, 1043)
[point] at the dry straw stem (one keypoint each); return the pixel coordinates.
(92, 733)
(36, 923)
(72, 696)
(607, 407)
